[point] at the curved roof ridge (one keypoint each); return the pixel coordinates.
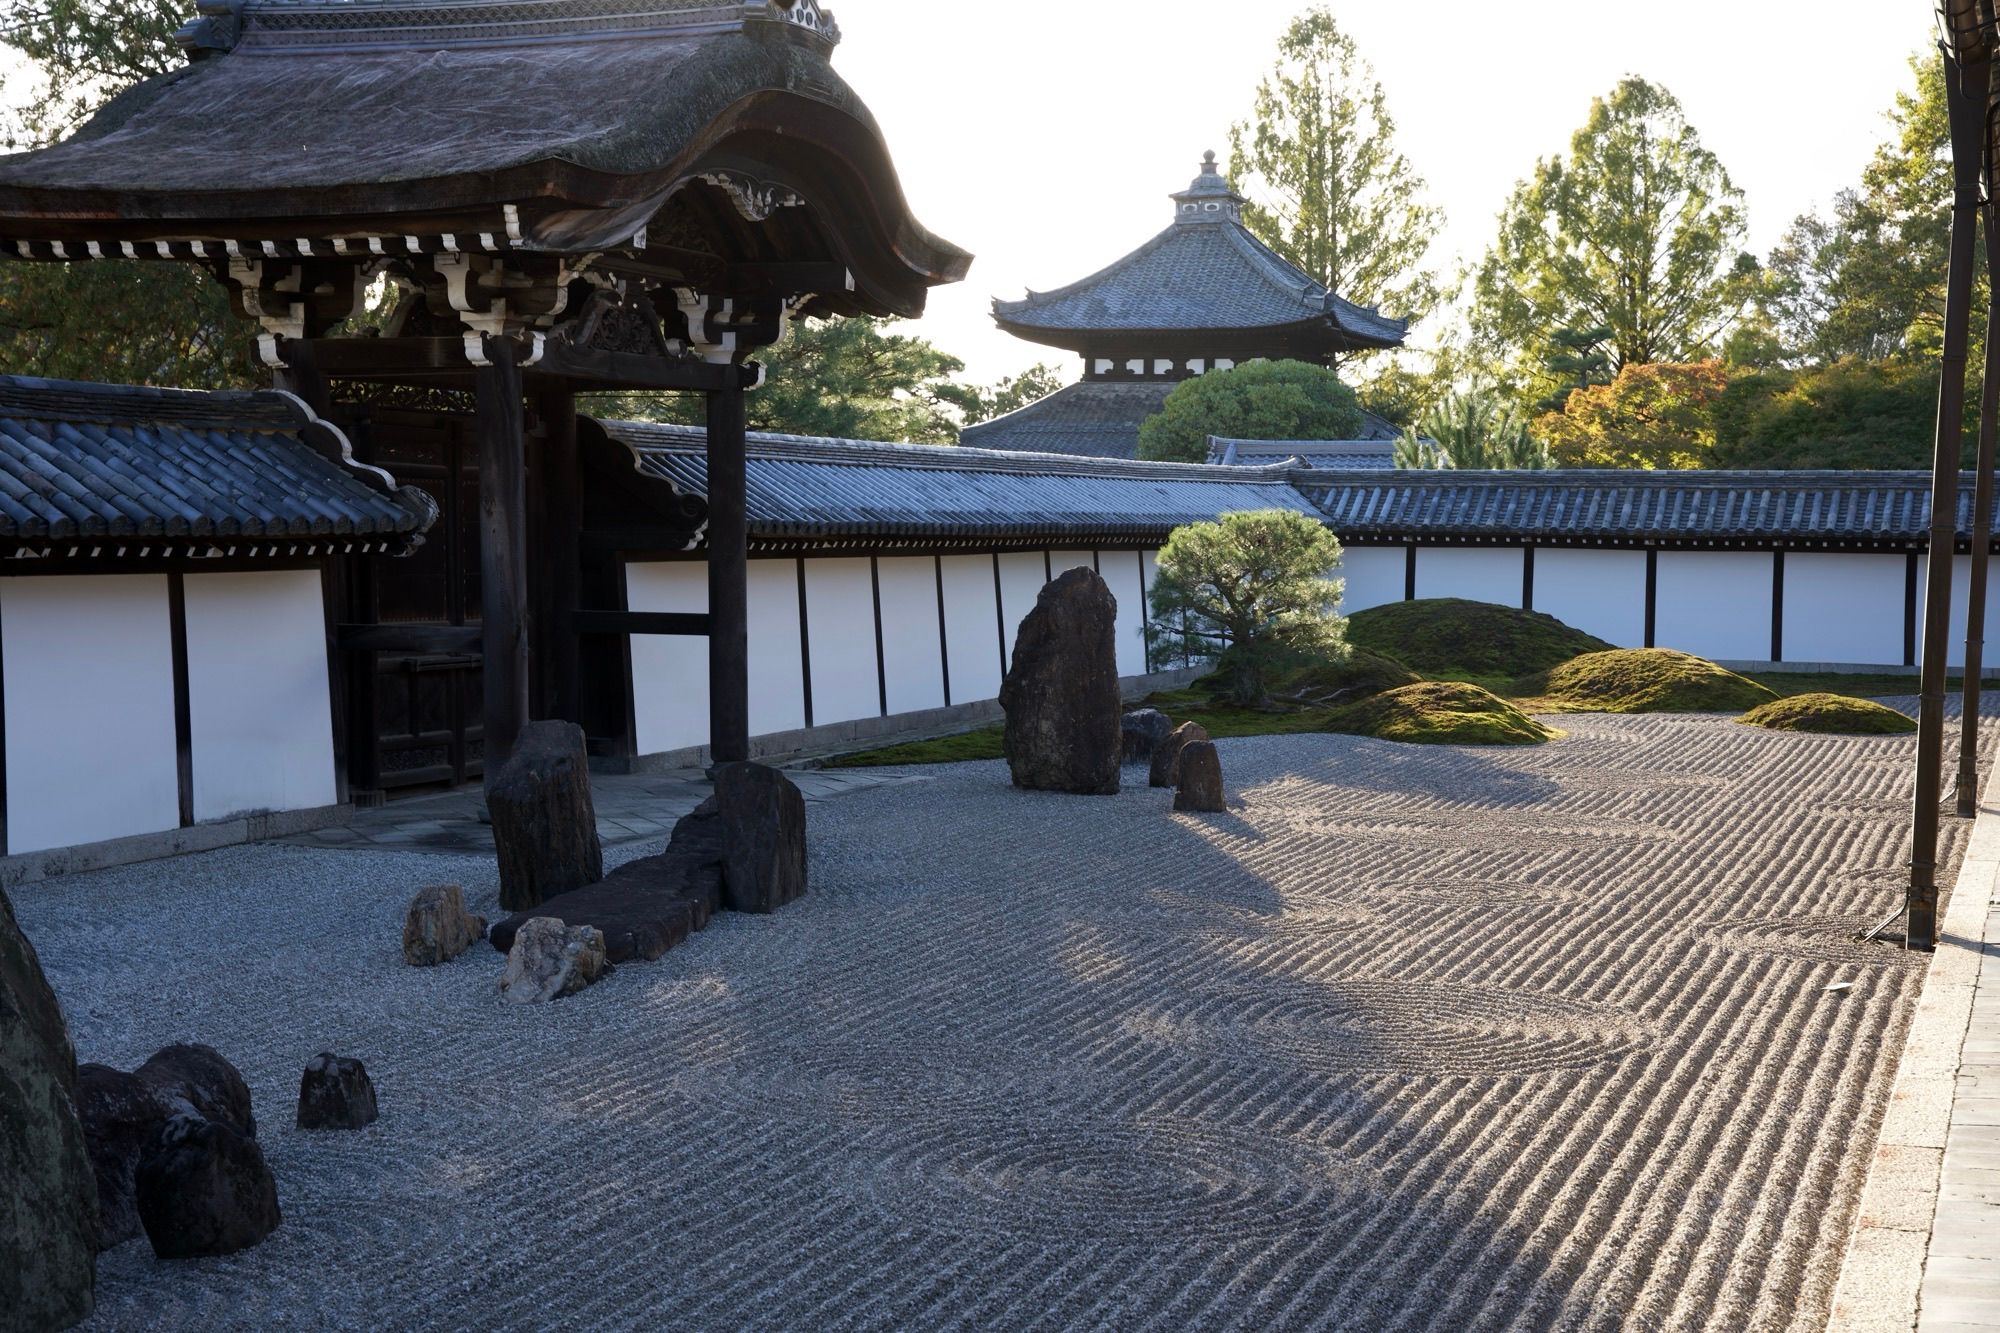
(1035, 298)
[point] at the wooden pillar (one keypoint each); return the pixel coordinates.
(503, 550)
(728, 580)
(560, 583)
(1965, 98)
(1967, 791)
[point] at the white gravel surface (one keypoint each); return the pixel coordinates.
(1416, 1037)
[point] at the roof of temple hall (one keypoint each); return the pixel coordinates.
(396, 127)
(211, 473)
(1371, 453)
(1206, 272)
(806, 487)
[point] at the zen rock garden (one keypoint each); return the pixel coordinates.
(1066, 729)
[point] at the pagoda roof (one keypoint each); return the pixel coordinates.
(1204, 273)
(1092, 418)
(558, 126)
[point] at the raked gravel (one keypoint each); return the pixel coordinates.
(1413, 1037)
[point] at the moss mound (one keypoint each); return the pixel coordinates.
(1362, 673)
(1830, 715)
(1649, 680)
(1448, 636)
(1440, 712)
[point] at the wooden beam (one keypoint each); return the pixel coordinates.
(728, 580)
(409, 638)
(503, 550)
(560, 368)
(690, 623)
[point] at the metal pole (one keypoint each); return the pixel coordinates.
(1967, 791)
(728, 580)
(503, 551)
(1967, 127)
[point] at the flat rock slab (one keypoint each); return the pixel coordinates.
(643, 908)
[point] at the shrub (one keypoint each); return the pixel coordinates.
(1830, 715)
(1259, 400)
(1258, 586)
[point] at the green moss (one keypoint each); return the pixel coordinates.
(985, 743)
(1446, 637)
(1360, 674)
(1645, 680)
(1829, 714)
(1440, 713)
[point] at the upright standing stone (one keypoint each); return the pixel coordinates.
(754, 829)
(192, 1079)
(1143, 730)
(1199, 784)
(48, 1194)
(335, 1093)
(205, 1189)
(120, 1116)
(438, 928)
(1167, 759)
(1061, 690)
(544, 825)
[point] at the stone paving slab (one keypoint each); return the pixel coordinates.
(631, 807)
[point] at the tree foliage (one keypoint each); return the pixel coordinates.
(1656, 415)
(977, 403)
(1329, 190)
(1850, 414)
(1635, 230)
(1259, 400)
(1477, 428)
(1259, 586)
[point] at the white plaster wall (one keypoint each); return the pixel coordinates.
(1062, 562)
(1961, 575)
(1598, 592)
(1475, 573)
(1022, 577)
(777, 670)
(840, 617)
(89, 710)
(1120, 571)
(1712, 603)
(971, 628)
(669, 671)
(1844, 608)
(1373, 574)
(260, 724)
(912, 651)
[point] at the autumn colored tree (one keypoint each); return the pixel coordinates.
(1636, 230)
(1328, 188)
(1655, 415)
(1258, 400)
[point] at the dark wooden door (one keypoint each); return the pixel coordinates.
(424, 709)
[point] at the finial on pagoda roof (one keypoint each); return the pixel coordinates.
(1208, 198)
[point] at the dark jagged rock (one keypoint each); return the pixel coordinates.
(203, 1189)
(754, 828)
(437, 928)
(544, 823)
(195, 1080)
(1142, 730)
(120, 1114)
(335, 1093)
(1167, 759)
(1061, 690)
(1199, 784)
(48, 1202)
(644, 907)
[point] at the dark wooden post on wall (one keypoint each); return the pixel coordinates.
(1967, 792)
(503, 549)
(560, 586)
(728, 578)
(1965, 97)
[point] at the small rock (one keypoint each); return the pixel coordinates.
(754, 827)
(120, 1116)
(1199, 783)
(204, 1189)
(550, 960)
(335, 1093)
(1061, 690)
(544, 822)
(437, 927)
(195, 1080)
(1166, 759)
(48, 1194)
(1143, 729)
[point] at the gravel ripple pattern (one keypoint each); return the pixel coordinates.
(1412, 1037)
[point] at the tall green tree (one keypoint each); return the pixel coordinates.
(1477, 428)
(977, 402)
(1636, 229)
(1259, 400)
(1329, 189)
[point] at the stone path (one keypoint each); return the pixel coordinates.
(630, 808)
(1411, 1038)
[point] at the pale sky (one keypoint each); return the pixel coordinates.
(1045, 135)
